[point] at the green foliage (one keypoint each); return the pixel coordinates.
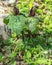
(20, 44)
(1, 57)
(48, 23)
(33, 22)
(16, 23)
(6, 20)
(31, 37)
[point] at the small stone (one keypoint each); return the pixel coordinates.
(1, 63)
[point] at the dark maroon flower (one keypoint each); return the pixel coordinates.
(16, 11)
(32, 11)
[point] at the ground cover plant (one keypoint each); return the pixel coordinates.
(30, 24)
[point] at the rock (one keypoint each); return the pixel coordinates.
(8, 2)
(4, 12)
(11, 1)
(3, 30)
